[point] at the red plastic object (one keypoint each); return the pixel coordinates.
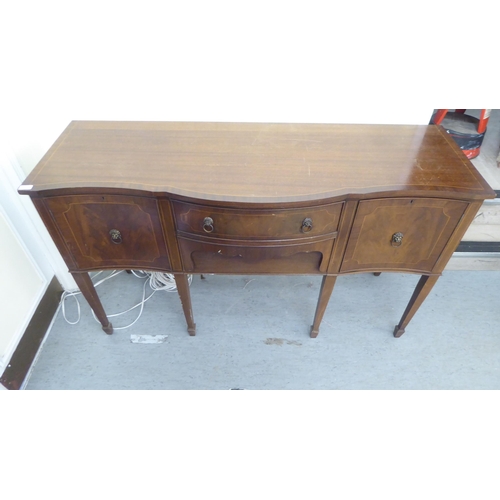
(483, 118)
(441, 113)
(470, 144)
(471, 153)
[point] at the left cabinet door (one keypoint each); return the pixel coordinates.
(111, 231)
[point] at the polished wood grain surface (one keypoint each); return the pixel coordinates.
(425, 226)
(86, 223)
(202, 256)
(258, 224)
(258, 162)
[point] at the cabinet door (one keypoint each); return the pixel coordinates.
(110, 231)
(400, 234)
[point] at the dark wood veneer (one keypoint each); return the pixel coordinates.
(256, 198)
(425, 226)
(86, 223)
(258, 224)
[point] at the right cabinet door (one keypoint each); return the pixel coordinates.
(400, 234)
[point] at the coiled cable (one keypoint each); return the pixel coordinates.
(157, 281)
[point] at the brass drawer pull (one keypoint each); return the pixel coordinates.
(307, 225)
(397, 239)
(116, 236)
(208, 224)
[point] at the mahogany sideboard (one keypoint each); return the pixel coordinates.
(256, 198)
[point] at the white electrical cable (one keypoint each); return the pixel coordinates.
(164, 281)
(74, 293)
(141, 304)
(156, 280)
(64, 296)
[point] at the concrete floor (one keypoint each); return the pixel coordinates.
(252, 333)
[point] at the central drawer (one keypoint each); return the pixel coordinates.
(252, 224)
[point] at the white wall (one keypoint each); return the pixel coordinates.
(24, 218)
(28, 258)
(20, 291)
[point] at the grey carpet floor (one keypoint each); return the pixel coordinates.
(253, 333)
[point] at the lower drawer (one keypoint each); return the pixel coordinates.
(203, 257)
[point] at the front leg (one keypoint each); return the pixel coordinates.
(424, 286)
(181, 280)
(324, 296)
(89, 292)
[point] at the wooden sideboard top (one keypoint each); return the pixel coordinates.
(258, 162)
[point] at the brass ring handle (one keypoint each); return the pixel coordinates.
(307, 225)
(397, 239)
(208, 224)
(116, 236)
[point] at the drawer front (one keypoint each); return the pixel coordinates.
(257, 224)
(111, 231)
(231, 258)
(400, 234)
